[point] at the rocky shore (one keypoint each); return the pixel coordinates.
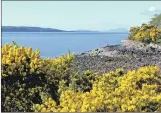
(129, 55)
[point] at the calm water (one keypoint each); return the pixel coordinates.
(55, 44)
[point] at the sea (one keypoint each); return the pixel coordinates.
(54, 44)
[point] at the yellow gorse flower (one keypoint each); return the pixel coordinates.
(17, 58)
(114, 93)
(145, 33)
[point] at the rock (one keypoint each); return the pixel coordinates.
(130, 55)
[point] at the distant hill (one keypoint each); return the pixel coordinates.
(84, 31)
(28, 29)
(118, 30)
(39, 29)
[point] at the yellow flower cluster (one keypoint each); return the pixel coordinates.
(63, 60)
(145, 33)
(48, 106)
(25, 61)
(137, 90)
(57, 69)
(20, 59)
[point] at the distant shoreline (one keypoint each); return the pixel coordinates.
(40, 29)
(68, 32)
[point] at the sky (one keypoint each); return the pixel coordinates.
(79, 15)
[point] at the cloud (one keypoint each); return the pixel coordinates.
(152, 10)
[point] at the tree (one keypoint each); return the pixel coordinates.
(156, 20)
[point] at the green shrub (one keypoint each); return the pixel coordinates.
(134, 91)
(25, 75)
(145, 33)
(78, 82)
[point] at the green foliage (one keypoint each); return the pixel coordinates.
(134, 91)
(156, 20)
(78, 82)
(25, 75)
(30, 83)
(145, 33)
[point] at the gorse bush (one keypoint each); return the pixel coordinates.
(113, 92)
(20, 61)
(24, 61)
(78, 82)
(25, 75)
(30, 83)
(146, 33)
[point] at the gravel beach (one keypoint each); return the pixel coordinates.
(129, 55)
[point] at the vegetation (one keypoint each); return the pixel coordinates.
(156, 21)
(31, 83)
(113, 92)
(147, 32)
(26, 77)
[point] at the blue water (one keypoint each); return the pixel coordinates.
(58, 43)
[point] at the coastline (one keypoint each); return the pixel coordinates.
(128, 56)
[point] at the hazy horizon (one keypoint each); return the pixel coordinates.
(79, 15)
(117, 29)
